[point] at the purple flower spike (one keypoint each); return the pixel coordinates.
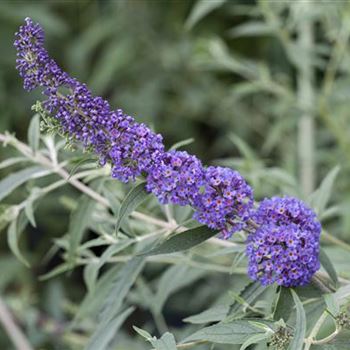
(285, 248)
(226, 201)
(220, 196)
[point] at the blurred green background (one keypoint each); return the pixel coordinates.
(262, 86)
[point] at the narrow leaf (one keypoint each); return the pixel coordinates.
(80, 220)
(253, 28)
(118, 291)
(182, 143)
(249, 294)
(92, 270)
(255, 339)
(300, 324)
(284, 306)
(183, 241)
(13, 235)
(201, 9)
(321, 197)
(332, 304)
(236, 332)
(328, 266)
(29, 211)
(79, 164)
(172, 280)
(34, 133)
(11, 182)
(132, 200)
(101, 340)
(214, 314)
(143, 333)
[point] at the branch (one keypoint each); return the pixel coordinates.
(17, 337)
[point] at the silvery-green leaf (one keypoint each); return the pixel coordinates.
(183, 241)
(201, 9)
(132, 200)
(214, 314)
(14, 180)
(34, 133)
(13, 235)
(300, 324)
(101, 340)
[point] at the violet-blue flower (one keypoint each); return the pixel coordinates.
(225, 202)
(285, 247)
(220, 196)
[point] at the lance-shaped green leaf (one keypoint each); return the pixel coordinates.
(300, 324)
(101, 340)
(11, 182)
(183, 241)
(321, 196)
(328, 266)
(117, 292)
(172, 280)
(248, 294)
(34, 133)
(132, 200)
(235, 332)
(91, 271)
(201, 9)
(78, 224)
(284, 306)
(182, 143)
(255, 339)
(13, 234)
(214, 314)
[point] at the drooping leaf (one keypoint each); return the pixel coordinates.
(214, 314)
(332, 304)
(14, 180)
(34, 133)
(118, 291)
(284, 306)
(183, 241)
(101, 340)
(252, 28)
(143, 333)
(249, 295)
(235, 332)
(29, 211)
(328, 266)
(132, 200)
(91, 271)
(13, 234)
(80, 220)
(95, 298)
(300, 325)
(181, 143)
(321, 196)
(255, 339)
(174, 278)
(343, 293)
(79, 164)
(201, 9)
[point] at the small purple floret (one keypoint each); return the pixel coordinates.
(285, 248)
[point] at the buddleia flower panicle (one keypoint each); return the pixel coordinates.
(285, 247)
(226, 201)
(220, 196)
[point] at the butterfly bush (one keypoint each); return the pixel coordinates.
(283, 242)
(285, 247)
